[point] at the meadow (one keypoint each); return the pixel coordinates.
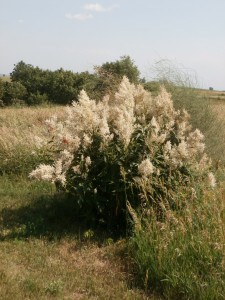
(46, 253)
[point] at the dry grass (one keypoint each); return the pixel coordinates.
(20, 124)
(25, 117)
(212, 95)
(37, 269)
(5, 78)
(18, 129)
(219, 108)
(45, 255)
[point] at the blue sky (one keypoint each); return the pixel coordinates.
(76, 35)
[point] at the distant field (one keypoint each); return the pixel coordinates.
(5, 78)
(213, 95)
(219, 108)
(217, 100)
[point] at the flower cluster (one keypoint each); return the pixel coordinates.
(146, 168)
(55, 173)
(122, 121)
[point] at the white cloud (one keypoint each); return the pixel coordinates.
(79, 17)
(20, 21)
(93, 7)
(98, 7)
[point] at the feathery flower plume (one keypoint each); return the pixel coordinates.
(146, 168)
(211, 179)
(117, 118)
(43, 172)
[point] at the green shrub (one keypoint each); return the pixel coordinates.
(13, 90)
(18, 102)
(1, 88)
(37, 99)
(107, 151)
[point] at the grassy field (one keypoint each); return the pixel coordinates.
(45, 253)
(212, 95)
(5, 78)
(19, 128)
(219, 108)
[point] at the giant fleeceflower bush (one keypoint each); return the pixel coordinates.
(128, 147)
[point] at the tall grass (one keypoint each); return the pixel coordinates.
(182, 256)
(184, 87)
(19, 151)
(181, 253)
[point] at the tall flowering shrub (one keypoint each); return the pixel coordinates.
(124, 151)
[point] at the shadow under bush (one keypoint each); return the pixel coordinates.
(50, 216)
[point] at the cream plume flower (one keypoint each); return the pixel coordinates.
(121, 113)
(43, 172)
(146, 168)
(116, 118)
(211, 179)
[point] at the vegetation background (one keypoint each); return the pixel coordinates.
(46, 253)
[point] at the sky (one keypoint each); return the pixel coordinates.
(77, 35)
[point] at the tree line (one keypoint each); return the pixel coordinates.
(31, 85)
